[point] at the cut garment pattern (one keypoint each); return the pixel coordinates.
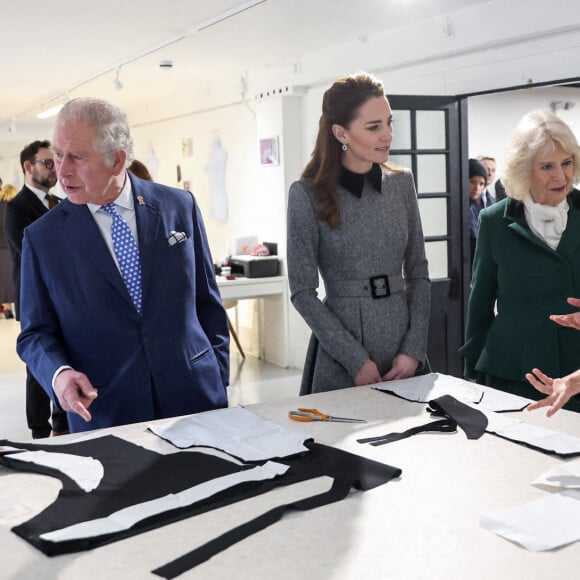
(135, 475)
(476, 419)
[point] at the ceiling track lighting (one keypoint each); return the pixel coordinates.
(50, 112)
(164, 64)
(117, 82)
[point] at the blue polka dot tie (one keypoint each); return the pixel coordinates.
(127, 254)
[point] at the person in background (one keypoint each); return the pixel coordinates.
(355, 220)
(140, 170)
(488, 194)
(32, 202)
(527, 263)
(127, 324)
(559, 391)
(477, 181)
(494, 190)
(7, 192)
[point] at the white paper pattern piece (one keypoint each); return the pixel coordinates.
(517, 430)
(86, 472)
(425, 388)
(563, 475)
(128, 517)
(539, 525)
(500, 401)
(432, 386)
(236, 431)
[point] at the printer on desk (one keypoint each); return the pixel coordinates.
(257, 266)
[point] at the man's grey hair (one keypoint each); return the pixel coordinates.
(109, 122)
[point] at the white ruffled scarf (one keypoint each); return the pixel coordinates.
(547, 222)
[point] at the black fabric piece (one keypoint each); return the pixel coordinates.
(338, 491)
(134, 475)
(442, 426)
(472, 421)
(354, 182)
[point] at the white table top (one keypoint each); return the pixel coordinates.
(423, 525)
(242, 288)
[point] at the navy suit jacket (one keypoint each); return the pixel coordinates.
(172, 360)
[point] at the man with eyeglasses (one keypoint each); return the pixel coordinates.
(31, 203)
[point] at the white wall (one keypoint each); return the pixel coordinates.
(235, 128)
(492, 118)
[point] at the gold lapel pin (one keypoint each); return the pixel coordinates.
(140, 200)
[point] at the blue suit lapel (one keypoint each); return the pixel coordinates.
(148, 218)
(87, 238)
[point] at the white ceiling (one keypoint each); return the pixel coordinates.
(51, 49)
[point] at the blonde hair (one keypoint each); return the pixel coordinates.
(535, 131)
(8, 192)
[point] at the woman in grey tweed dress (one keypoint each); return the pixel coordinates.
(356, 221)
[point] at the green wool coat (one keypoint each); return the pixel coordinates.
(529, 281)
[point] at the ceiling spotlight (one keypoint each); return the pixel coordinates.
(117, 83)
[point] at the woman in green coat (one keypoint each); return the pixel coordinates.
(527, 263)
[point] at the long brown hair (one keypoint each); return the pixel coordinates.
(340, 105)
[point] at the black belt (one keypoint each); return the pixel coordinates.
(376, 287)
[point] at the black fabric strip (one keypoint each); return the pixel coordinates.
(472, 421)
(337, 492)
(443, 426)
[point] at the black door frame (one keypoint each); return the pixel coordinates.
(448, 295)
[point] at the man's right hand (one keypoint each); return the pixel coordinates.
(75, 392)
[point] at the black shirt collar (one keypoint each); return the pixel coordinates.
(354, 182)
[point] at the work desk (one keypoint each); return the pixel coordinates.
(241, 288)
(272, 294)
(423, 525)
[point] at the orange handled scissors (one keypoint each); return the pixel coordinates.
(316, 415)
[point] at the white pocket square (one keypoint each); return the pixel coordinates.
(176, 238)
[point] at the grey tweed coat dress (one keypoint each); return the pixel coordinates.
(379, 234)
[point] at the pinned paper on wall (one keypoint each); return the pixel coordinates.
(186, 147)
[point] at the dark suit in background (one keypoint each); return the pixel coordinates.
(22, 211)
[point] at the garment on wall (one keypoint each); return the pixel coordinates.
(152, 162)
(134, 475)
(215, 167)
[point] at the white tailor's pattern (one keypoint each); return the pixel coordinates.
(127, 254)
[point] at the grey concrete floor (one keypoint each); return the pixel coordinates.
(251, 381)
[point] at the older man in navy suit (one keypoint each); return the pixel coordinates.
(122, 320)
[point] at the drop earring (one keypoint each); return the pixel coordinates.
(344, 147)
